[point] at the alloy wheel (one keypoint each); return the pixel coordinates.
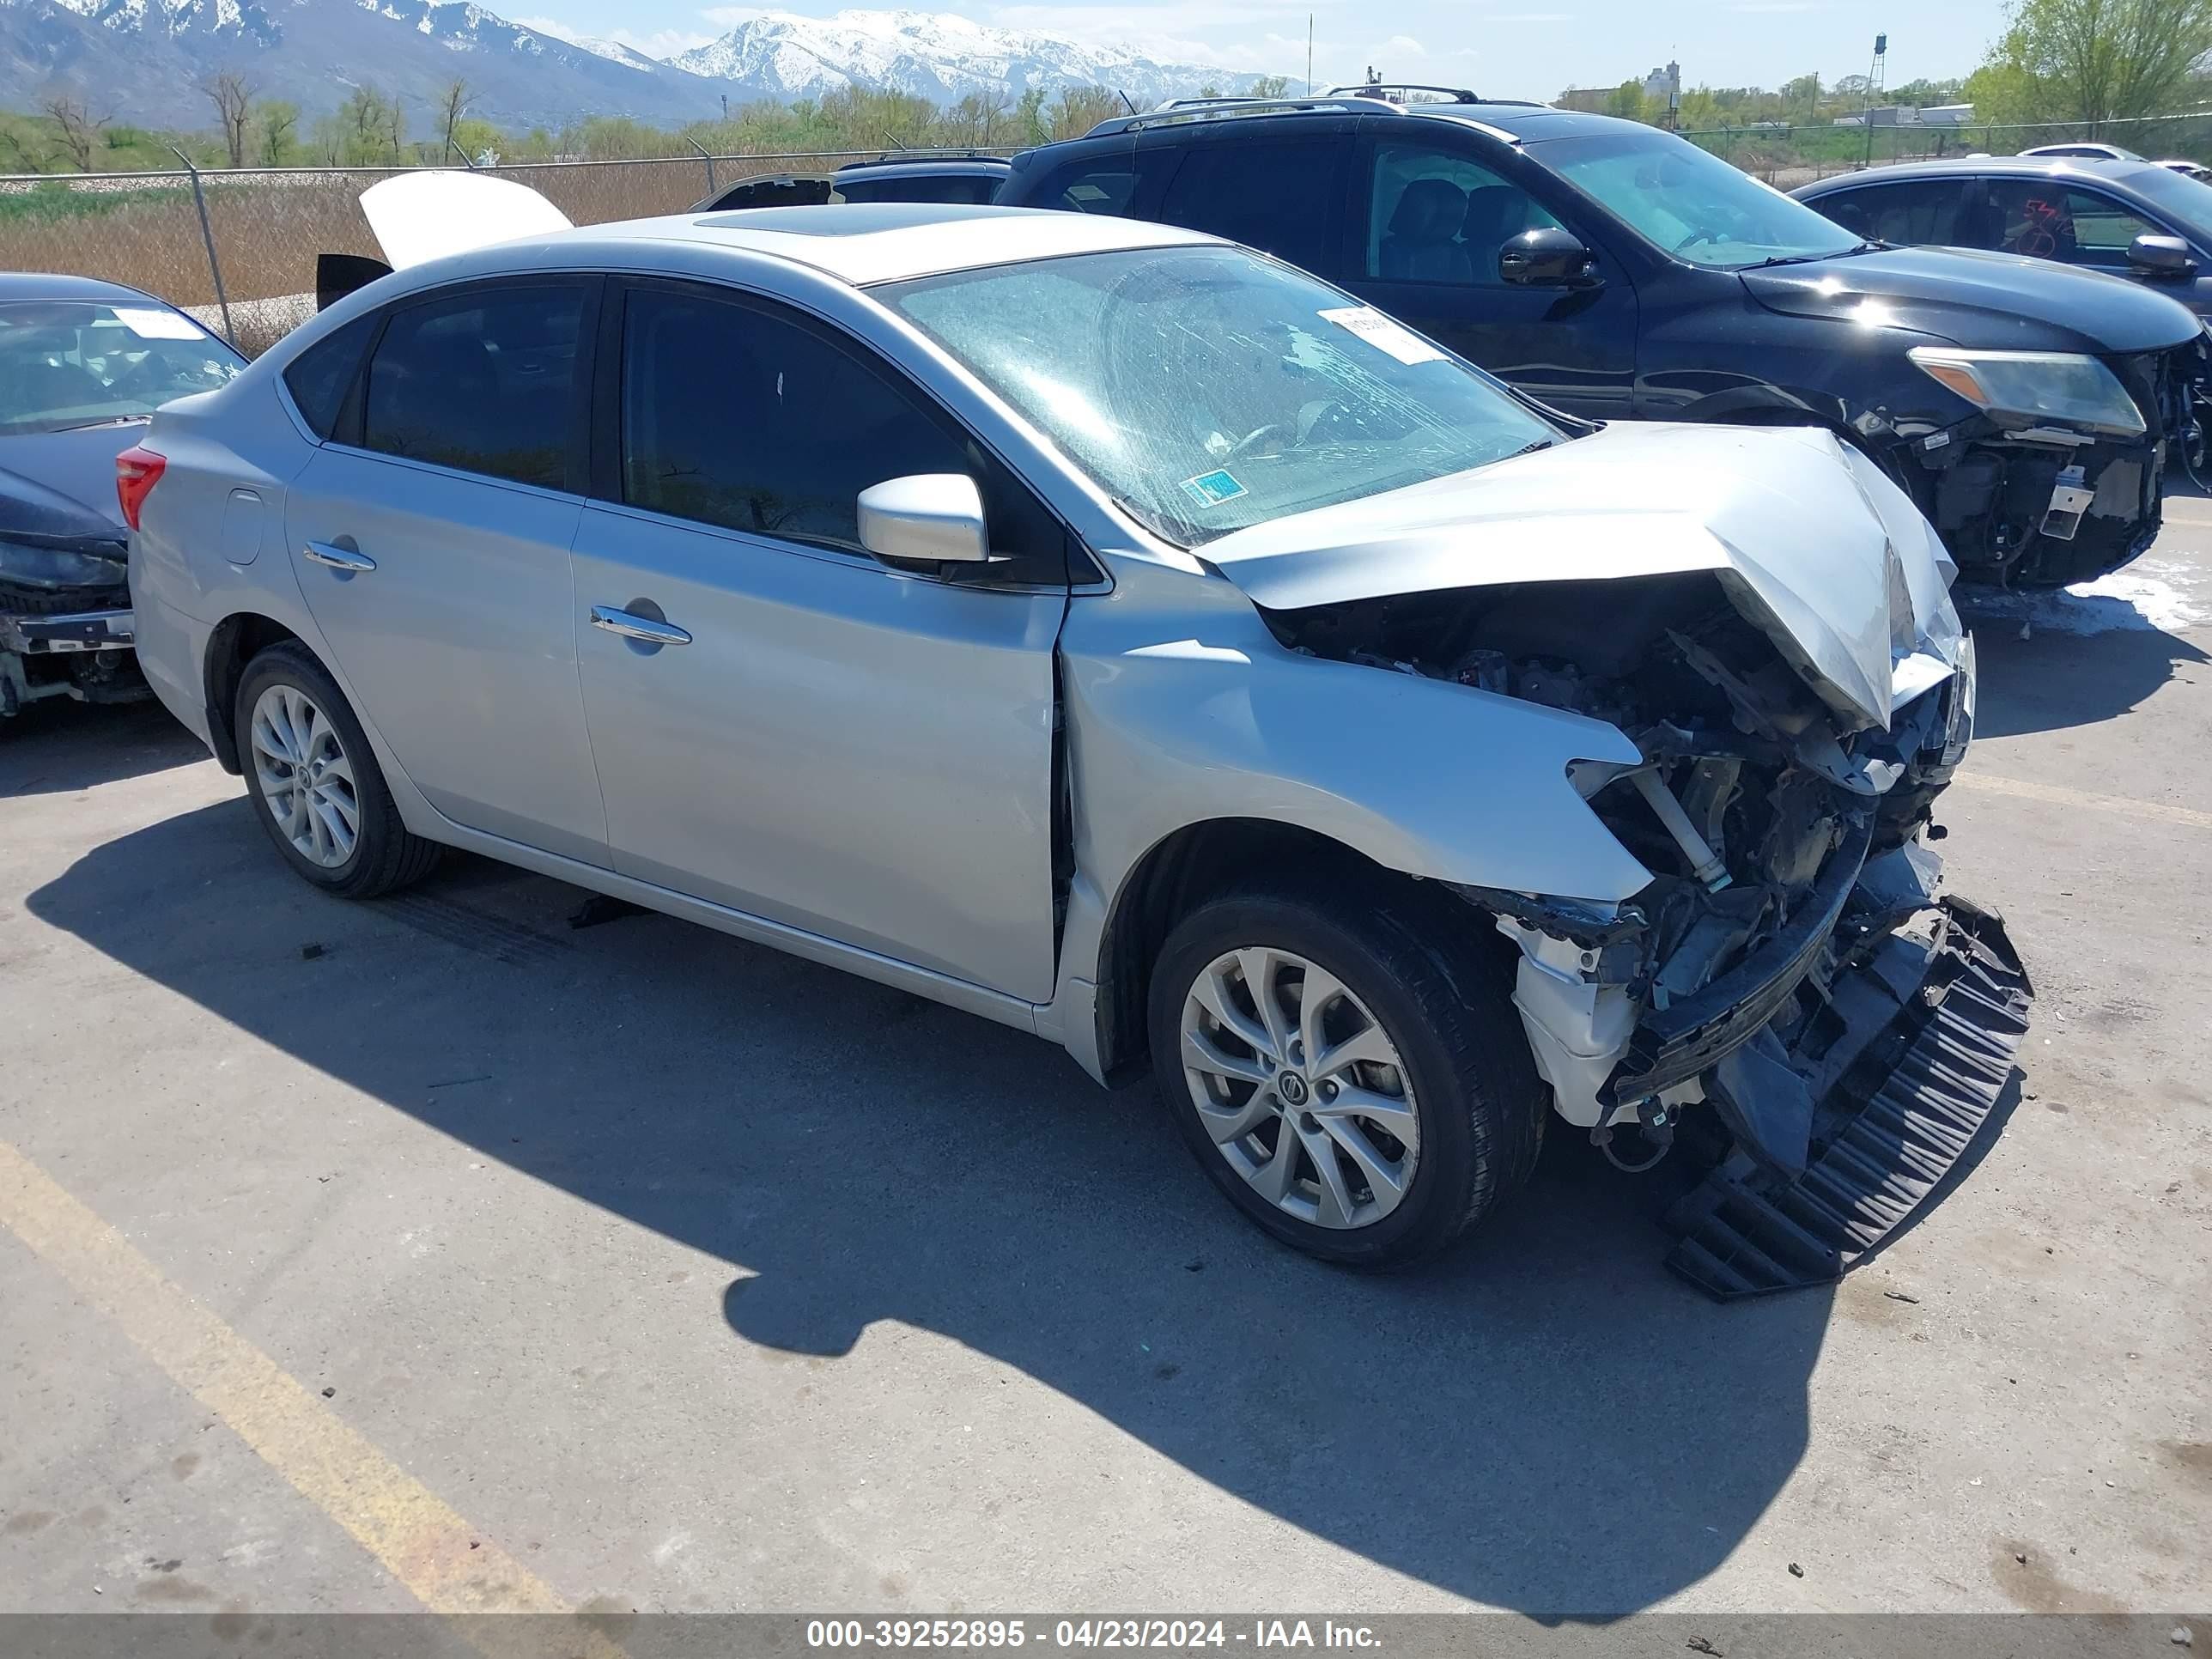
(1300, 1087)
(305, 776)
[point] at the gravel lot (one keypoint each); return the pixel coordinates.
(349, 1253)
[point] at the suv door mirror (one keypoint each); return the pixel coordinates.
(2163, 257)
(926, 518)
(1546, 258)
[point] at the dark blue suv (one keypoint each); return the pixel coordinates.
(1614, 270)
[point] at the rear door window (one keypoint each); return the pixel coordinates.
(1921, 213)
(483, 381)
(1434, 216)
(1283, 197)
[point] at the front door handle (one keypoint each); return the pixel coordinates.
(647, 630)
(338, 558)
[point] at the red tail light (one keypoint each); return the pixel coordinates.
(137, 470)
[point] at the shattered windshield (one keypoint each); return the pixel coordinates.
(66, 363)
(1208, 390)
(1690, 204)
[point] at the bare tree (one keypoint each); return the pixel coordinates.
(77, 127)
(453, 109)
(1078, 109)
(228, 91)
(994, 105)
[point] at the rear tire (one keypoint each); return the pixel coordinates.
(314, 781)
(1454, 1112)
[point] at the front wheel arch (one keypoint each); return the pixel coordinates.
(1199, 862)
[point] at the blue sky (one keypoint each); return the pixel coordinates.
(1509, 48)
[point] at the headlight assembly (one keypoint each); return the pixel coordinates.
(2035, 385)
(59, 567)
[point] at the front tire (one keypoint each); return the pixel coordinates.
(315, 783)
(1355, 1081)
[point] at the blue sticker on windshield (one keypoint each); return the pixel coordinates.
(1211, 489)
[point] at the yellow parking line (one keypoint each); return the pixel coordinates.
(447, 1565)
(2055, 795)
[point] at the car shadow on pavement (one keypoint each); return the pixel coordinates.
(1545, 1421)
(58, 747)
(2085, 659)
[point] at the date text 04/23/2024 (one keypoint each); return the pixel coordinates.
(1151, 1633)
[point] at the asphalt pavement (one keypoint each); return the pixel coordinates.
(434, 1252)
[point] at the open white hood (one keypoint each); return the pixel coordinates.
(1809, 540)
(420, 217)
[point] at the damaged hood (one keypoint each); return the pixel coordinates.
(1812, 544)
(63, 483)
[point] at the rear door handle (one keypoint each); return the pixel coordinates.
(338, 558)
(632, 626)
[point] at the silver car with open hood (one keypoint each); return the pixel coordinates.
(1117, 634)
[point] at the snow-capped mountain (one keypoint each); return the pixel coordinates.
(149, 61)
(936, 54)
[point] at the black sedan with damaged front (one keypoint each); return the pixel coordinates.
(83, 365)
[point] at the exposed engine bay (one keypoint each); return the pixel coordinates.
(1787, 842)
(65, 621)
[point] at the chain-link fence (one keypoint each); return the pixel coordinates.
(254, 252)
(254, 249)
(1787, 155)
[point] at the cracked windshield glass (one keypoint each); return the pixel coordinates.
(1208, 390)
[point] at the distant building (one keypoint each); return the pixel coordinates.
(1590, 100)
(1909, 115)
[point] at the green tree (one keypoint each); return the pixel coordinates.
(2098, 60)
(1029, 118)
(1270, 86)
(276, 123)
(1626, 101)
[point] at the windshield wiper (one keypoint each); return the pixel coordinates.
(1810, 258)
(1530, 449)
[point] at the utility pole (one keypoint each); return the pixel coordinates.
(1874, 74)
(1309, 54)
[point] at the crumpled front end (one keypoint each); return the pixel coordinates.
(65, 621)
(1767, 985)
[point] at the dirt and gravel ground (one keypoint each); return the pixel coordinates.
(432, 1251)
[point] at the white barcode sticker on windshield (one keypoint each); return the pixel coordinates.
(1379, 332)
(149, 324)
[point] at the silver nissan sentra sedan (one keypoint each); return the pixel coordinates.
(1118, 634)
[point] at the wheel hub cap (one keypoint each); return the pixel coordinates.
(305, 775)
(1300, 1087)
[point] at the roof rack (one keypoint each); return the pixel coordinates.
(1178, 111)
(1383, 89)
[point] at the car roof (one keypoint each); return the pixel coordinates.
(863, 242)
(44, 285)
(1513, 123)
(2030, 166)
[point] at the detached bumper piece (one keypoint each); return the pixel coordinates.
(1916, 1045)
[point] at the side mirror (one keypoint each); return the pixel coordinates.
(2163, 257)
(1549, 258)
(927, 518)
